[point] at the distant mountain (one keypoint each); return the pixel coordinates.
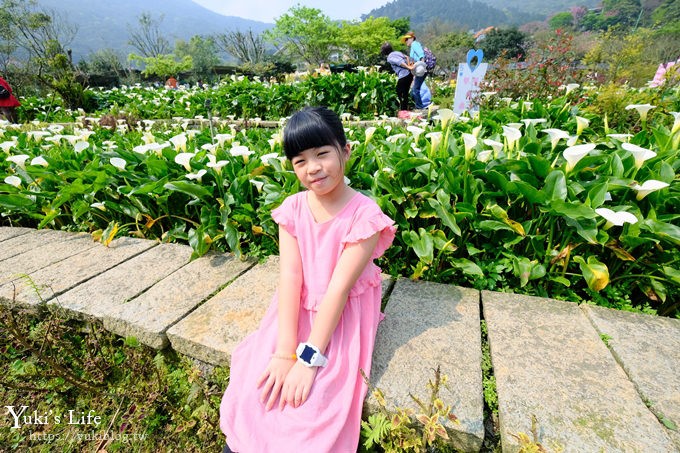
(105, 24)
(463, 14)
(546, 8)
(476, 14)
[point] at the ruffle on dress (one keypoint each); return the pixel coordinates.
(283, 215)
(367, 227)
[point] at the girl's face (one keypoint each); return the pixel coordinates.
(321, 170)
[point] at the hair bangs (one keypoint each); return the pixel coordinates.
(312, 127)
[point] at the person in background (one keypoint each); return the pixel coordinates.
(8, 103)
(171, 83)
(402, 67)
(416, 53)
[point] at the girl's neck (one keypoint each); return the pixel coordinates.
(326, 206)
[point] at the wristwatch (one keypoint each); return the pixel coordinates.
(310, 355)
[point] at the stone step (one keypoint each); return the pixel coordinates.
(10, 232)
(212, 331)
(95, 298)
(430, 325)
(47, 249)
(59, 277)
(149, 315)
(556, 378)
(648, 349)
(16, 244)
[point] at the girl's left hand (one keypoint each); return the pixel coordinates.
(297, 385)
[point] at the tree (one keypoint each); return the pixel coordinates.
(561, 20)
(361, 41)
(510, 42)
(203, 53)
(148, 39)
(42, 36)
(305, 34)
(246, 47)
(162, 66)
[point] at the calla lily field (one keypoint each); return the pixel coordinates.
(540, 197)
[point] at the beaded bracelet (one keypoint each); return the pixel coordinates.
(284, 356)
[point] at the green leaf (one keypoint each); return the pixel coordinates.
(596, 195)
(532, 194)
(555, 186)
(14, 201)
(666, 231)
(672, 273)
(188, 188)
(445, 215)
(573, 210)
(468, 267)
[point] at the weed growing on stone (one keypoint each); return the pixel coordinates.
(407, 430)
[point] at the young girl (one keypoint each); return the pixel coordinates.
(295, 383)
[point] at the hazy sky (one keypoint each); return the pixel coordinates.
(269, 10)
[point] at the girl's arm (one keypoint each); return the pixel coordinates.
(351, 264)
(290, 284)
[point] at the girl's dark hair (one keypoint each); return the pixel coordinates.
(386, 48)
(312, 127)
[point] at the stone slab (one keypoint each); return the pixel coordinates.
(68, 273)
(95, 298)
(430, 325)
(214, 329)
(554, 372)
(32, 240)
(10, 232)
(52, 250)
(149, 315)
(648, 349)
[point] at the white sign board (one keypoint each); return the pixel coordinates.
(467, 83)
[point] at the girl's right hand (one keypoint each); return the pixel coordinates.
(273, 378)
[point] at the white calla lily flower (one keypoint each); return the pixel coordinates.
(39, 161)
(395, 137)
(575, 153)
(648, 187)
(496, 146)
(581, 123)
(118, 162)
(533, 121)
(18, 159)
(80, 146)
(614, 218)
(9, 144)
(642, 109)
(555, 136)
(676, 122)
(184, 159)
(98, 205)
(258, 184)
(241, 150)
(512, 135)
(179, 141)
(445, 115)
(621, 137)
(369, 131)
(416, 131)
(484, 156)
(196, 176)
(639, 153)
(435, 139)
(13, 181)
(469, 141)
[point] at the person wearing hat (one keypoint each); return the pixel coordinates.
(8, 103)
(417, 54)
(402, 67)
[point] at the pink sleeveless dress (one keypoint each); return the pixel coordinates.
(330, 419)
